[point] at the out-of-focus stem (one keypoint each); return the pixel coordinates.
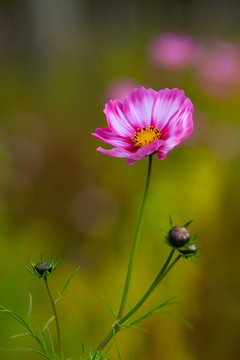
(60, 345)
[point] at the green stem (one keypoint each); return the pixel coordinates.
(136, 242)
(160, 276)
(60, 346)
(117, 326)
(109, 336)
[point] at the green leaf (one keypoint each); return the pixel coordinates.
(156, 309)
(105, 355)
(132, 355)
(200, 248)
(170, 223)
(55, 266)
(27, 349)
(50, 342)
(30, 308)
(178, 317)
(16, 316)
(193, 237)
(135, 327)
(191, 257)
(83, 350)
(187, 224)
(164, 232)
(109, 307)
(31, 272)
(34, 328)
(34, 270)
(60, 295)
(117, 349)
(32, 333)
(93, 355)
(19, 335)
(32, 263)
(47, 323)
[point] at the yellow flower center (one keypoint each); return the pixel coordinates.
(145, 136)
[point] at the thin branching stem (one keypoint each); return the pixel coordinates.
(159, 277)
(118, 325)
(60, 345)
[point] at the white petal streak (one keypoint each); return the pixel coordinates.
(116, 119)
(180, 125)
(116, 152)
(167, 103)
(137, 107)
(106, 135)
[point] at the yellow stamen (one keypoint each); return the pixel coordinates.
(146, 136)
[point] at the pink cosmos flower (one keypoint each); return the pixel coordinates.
(118, 89)
(173, 50)
(219, 68)
(146, 122)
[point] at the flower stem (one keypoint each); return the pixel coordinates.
(60, 346)
(136, 242)
(160, 276)
(117, 325)
(106, 340)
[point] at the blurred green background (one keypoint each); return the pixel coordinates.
(60, 62)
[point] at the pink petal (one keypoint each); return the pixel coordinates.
(167, 103)
(137, 107)
(106, 135)
(180, 125)
(117, 121)
(116, 152)
(144, 151)
(179, 128)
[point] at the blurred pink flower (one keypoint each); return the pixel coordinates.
(172, 50)
(119, 89)
(146, 122)
(219, 68)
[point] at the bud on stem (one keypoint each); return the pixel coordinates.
(42, 267)
(178, 236)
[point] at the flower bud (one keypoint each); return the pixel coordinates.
(192, 249)
(178, 236)
(42, 267)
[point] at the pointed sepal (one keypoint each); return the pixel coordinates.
(42, 269)
(179, 238)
